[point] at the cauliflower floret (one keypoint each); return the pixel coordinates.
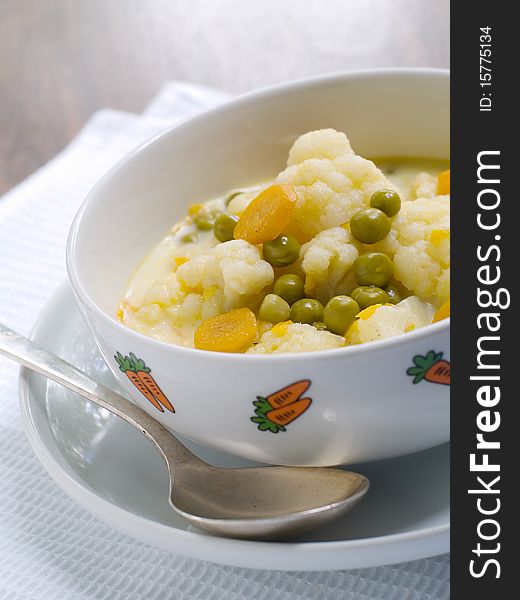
(188, 311)
(442, 288)
(295, 337)
(417, 312)
(417, 219)
(417, 270)
(170, 318)
(225, 277)
(425, 186)
(384, 321)
(326, 259)
(331, 181)
(167, 290)
(321, 143)
(235, 269)
(420, 246)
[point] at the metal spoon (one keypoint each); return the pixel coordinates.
(253, 503)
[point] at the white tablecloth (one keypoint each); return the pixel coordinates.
(50, 548)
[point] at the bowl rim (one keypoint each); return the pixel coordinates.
(244, 99)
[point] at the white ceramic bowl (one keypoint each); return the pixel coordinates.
(364, 404)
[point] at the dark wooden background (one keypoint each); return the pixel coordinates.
(61, 60)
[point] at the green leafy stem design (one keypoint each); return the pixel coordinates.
(422, 364)
(264, 424)
(131, 363)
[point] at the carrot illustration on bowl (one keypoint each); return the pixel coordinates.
(288, 394)
(286, 414)
(432, 368)
(281, 408)
(140, 375)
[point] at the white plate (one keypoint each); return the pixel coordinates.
(115, 473)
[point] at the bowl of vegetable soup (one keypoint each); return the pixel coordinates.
(271, 278)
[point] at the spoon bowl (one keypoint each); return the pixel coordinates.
(264, 502)
(252, 503)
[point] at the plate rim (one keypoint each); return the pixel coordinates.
(299, 556)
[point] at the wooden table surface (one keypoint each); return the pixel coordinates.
(61, 60)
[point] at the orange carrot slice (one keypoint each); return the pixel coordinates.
(288, 413)
(267, 216)
(288, 394)
(443, 183)
(233, 331)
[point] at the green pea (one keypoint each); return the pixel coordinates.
(393, 293)
(281, 251)
(289, 287)
(189, 238)
(339, 314)
(274, 309)
(224, 226)
(386, 200)
(320, 326)
(373, 268)
(204, 221)
(367, 295)
(307, 310)
(370, 225)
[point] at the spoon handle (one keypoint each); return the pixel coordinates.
(27, 353)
